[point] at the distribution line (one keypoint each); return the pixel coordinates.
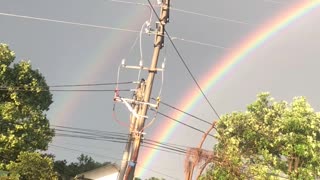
(117, 138)
(111, 136)
(200, 43)
(211, 17)
(165, 147)
(106, 27)
(66, 90)
(153, 146)
(99, 132)
(71, 149)
(124, 141)
(89, 130)
(184, 112)
(185, 65)
(117, 159)
(188, 12)
(72, 85)
(163, 150)
(187, 125)
(90, 84)
(275, 2)
(69, 22)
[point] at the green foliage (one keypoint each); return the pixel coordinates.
(271, 140)
(24, 99)
(85, 163)
(154, 178)
(30, 166)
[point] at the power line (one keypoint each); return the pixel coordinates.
(184, 112)
(211, 17)
(91, 84)
(187, 125)
(92, 135)
(156, 145)
(120, 139)
(69, 22)
(167, 143)
(275, 2)
(106, 27)
(189, 12)
(111, 136)
(71, 149)
(201, 43)
(99, 155)
(145, 144)
(63, 90)
(166, 147)
(99, 132)
(163, 150)
(185, 64)
(89, 130)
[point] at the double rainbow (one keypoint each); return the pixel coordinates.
(226, 64)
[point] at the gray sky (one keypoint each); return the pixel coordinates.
(286, 65)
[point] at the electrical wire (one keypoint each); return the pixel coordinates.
(184, 112)
(106, 136)
(275, 2)
(167, 149)
(166, 143)
(121, 141)
(74, 85)
(163, 150)
(211, 17)
(71, 149)
(99, 133)
(117, 159)
(185, 64)
(104, 27)
(187, 125)
(111, 136)
(88, 130)
(141, 50)
(191, 12)
(201, 43)
(91, 84)
(68, 22)
(64, 90)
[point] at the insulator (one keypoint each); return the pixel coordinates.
(140, 63)
(148, 23)
(123, 62)
(163, 64)
(147, 30)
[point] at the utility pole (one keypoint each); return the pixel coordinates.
(136, 130)
(126, 155)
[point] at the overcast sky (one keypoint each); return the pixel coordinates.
(286, 65)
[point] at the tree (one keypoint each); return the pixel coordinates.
(154, 178)
(271, 140)
(31, 165)
(84, 163)
(24, 99)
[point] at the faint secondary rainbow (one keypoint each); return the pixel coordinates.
(227, 63)
(102, 60)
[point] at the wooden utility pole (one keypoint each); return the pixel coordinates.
(139, 122)
(138, 97)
